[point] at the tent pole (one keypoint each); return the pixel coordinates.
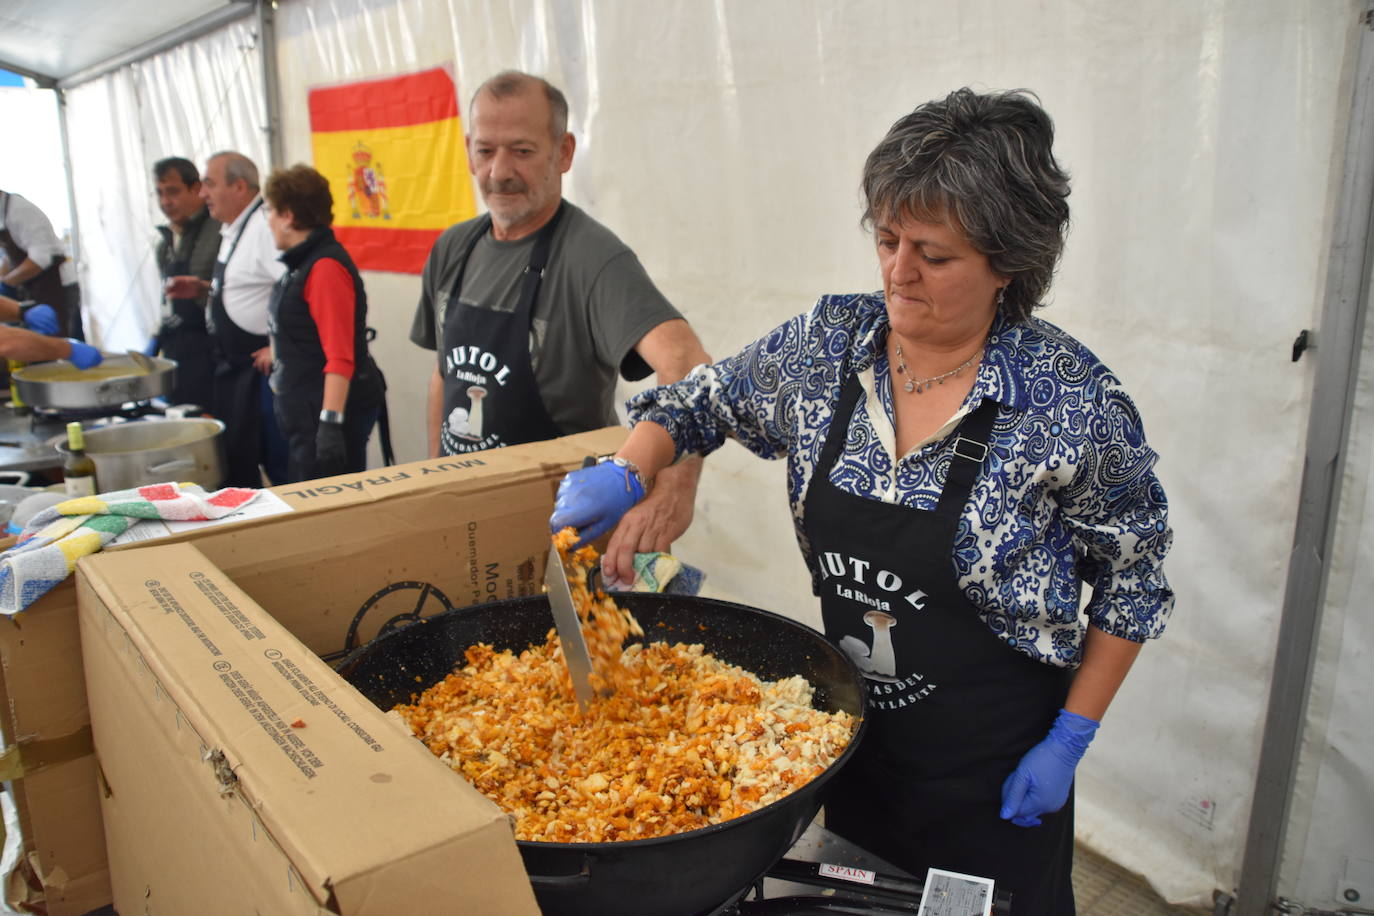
(1340, 341)
(271, 83)
(60, 98)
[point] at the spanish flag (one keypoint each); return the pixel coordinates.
(393, 152)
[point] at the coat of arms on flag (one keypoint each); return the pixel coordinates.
(392, 149)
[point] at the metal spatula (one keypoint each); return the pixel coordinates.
(569, 629)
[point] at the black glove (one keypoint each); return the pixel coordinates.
(331, 455)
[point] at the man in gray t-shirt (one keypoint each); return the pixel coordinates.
(594, 305)
(535, 308)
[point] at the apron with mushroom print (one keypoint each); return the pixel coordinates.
(950, 704)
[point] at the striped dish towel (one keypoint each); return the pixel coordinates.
(57, 537)
(666, 574)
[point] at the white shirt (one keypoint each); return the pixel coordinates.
(250, 275)
(33, 232)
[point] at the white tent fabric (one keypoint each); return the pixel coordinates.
(724, 142)
(191, 101)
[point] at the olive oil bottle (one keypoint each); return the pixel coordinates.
(78, 468)
(16, 402)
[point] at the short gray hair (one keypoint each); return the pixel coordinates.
(983, 161)
(237, 167)
(514, 82)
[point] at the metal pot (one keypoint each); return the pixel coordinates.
(667, 876)
(59, 385)
(155, 450)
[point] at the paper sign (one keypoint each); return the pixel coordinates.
(264, 504)
(846, 873)
(949, 893)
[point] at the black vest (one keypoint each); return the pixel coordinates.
(300, 359)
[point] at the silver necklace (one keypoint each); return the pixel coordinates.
(920, 385)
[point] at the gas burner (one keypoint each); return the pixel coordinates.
(96, 416)
(130, 411)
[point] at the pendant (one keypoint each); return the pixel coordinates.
(910, 385)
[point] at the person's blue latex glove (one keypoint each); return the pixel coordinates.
(594, 499)
(84, 356)
(41, 318)
(154, 344)
(1040, 783)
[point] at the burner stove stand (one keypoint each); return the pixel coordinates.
(783, 889)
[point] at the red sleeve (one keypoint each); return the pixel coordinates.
(329, 293)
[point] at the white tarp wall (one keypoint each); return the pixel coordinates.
(724, 142)
(192, 100)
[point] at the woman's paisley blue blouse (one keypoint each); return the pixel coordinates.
(1066, 495)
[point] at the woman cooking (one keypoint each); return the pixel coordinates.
(328, 392)
(955, 468)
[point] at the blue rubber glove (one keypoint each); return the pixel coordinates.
(84, 356)
(153, 346)
(41, 318)
(594, 499)
(1040, 783)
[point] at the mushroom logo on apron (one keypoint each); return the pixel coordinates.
(873, 650)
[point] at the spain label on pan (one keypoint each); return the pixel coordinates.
(393, 152)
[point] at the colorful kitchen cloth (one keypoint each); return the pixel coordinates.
(57, 537)
(665, 573)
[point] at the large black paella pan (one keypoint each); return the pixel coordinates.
(676, 875)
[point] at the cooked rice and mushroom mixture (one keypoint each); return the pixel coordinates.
(683, 741)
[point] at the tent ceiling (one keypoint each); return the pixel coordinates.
(54, 40)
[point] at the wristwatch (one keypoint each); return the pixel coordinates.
(331, 416)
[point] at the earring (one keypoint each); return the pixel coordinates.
(1001, 295)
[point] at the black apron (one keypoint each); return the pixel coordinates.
(491, 398)
(184, 337)
(952, 709)
(47, 286)
(239, 387)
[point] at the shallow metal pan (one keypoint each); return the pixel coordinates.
(59, 385)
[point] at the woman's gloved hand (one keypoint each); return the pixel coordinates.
(84, 356)
(1040, 783)
(594, 499)
(331, 454)
(41, 319)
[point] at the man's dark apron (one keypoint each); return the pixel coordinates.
(952, 708)
(490, 395)
(46, 287)
(238, 392)
(184, 336)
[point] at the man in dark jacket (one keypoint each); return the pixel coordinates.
(186, 247)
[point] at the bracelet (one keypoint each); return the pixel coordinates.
(631, 468)
(331, 416)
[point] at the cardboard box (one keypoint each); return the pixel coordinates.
(240, 774)
(358, 554)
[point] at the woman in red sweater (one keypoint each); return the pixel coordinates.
(328, 390)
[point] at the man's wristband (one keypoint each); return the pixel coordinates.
(331, 416)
